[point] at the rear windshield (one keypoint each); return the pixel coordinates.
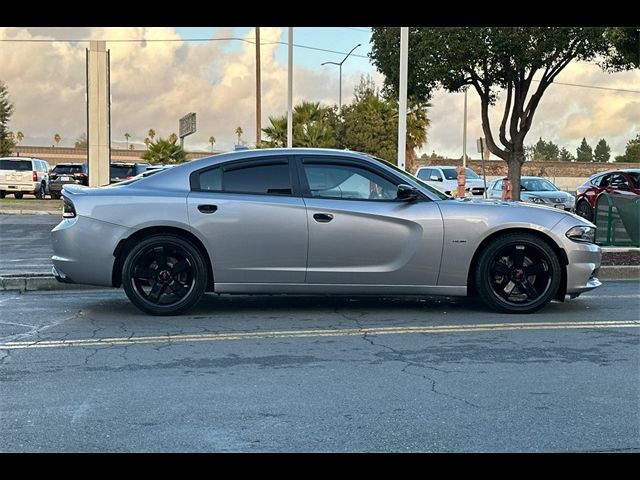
(62, 169)
(122, 172)
(20, 165)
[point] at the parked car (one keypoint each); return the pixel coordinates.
(20, 175)
(119, 171)
(625, 182)
(315, 221)
(67, 173)
(151, 170)
(446, 179)
(536, 190)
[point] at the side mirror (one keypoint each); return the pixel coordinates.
(407, 192)
(435, 178)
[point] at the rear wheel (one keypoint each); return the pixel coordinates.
(40, 193)
(584, 210)
(518, 273)
(164, 275)
(3, 194)
(55, 195)
(18, 195)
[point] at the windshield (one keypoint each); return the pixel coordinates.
(413, 178)
(121, 172)
(142, 175)
(67, 169)
(452, 174)
(537, 185)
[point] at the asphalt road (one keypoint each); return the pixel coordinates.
(25, 243)
(86, 371)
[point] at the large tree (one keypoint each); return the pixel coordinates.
(584, 152)
(544, 151)
(626, 43)
(632, 151)
(311, 128)
(164, 151)
(6, 109)
(490, 59)
(602, 152)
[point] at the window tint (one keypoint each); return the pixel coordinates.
(348, 182)
(635, 179)
(20, 165)
(211, 180)
(271, 179)
(450, 173)
(63, 169)
(423, 174)
(497, 185)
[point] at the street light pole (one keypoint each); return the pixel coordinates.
(340, 80)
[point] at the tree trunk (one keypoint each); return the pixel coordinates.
(409, 160)
(514, 163)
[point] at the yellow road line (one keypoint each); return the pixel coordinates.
(343, 332)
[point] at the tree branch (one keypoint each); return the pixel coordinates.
(486, 124)
(505, 116)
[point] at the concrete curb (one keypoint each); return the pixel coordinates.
(30, 212)
(44, 282)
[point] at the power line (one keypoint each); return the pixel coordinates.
(595, 87)
(357, 29)
(124, 40)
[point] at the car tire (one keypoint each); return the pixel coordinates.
(18, 195)
(55, 196)
(518, 273)
(3, 194)
(41, 193)
(584, 210)
(164, 275)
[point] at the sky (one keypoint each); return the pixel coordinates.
(154, 83)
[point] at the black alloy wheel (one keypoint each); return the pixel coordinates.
(518, 273)
(584, 210)
(164, 275)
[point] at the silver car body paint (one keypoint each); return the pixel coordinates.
(271, 244)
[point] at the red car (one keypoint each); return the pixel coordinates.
(626, 182)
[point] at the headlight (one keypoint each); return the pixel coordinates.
(582, 234)
(535, 200)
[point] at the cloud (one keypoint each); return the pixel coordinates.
(155, 83)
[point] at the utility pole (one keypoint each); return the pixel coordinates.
(402, 109)
(258, 90)
(464, 133)
(290, 99)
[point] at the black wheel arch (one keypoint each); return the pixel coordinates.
(125, 246)
(562, 256)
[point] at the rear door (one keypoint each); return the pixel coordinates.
(252, 220)
(359, 233)
(14, 173)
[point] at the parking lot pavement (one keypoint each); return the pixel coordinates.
(25, 243)
(86, 371)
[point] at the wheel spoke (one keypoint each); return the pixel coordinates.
(180, 267)
(160, 256)
(143, 272)
(178, 288)
(156, 291)
(518, 257)
(535, 269)
(501, 268)
(529, 289)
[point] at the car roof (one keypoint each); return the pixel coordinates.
(624, 170)
(69, 163)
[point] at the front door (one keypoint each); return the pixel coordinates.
(359, 233)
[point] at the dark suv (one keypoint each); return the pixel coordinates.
(626, 182)
(67, 173)
(123, 170)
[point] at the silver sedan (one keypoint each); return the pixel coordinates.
(315, 221)
(537, 190)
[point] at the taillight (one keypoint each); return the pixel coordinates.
(68, 209)
(79, 175)
(53, 175)
(34, 177)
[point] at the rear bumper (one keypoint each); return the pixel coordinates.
(30, 187)
(57, 186)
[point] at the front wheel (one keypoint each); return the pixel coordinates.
(584, 210)
(518, 273)
(164, 275)
(41, 193)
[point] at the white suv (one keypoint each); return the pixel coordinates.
(20, 175)
(445, 178)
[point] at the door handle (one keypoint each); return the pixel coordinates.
(322, 217)
(207, 208)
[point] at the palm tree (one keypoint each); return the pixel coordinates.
(151, 133)
(20, 136)
(132, 147)
(173, 138)
(311, 128)
(147, 142)
(417, 123)
(127, 136)
(239, 133)
(164, 151)
(57, 138)
(212, 140)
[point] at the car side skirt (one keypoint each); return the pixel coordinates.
(339, 289)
